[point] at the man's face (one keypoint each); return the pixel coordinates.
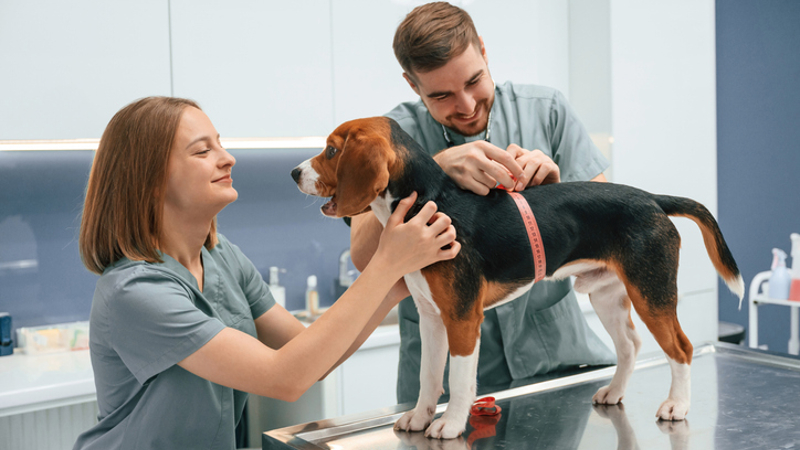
(459, 95)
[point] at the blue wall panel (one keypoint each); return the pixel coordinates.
(42, 280)
(758, 141)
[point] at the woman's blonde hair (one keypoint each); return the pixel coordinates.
(122, 214)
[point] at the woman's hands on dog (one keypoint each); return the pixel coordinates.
(426, 238)
(480, 166)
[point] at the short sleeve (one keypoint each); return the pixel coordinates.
(154, 324)
(255, 289)
(576, 155)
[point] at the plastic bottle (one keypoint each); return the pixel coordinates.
(312, 296)
(794, 292)
(779, 280)
(278, 291)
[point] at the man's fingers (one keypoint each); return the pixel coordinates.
(495, 173)
(504, 158)
(546, 173)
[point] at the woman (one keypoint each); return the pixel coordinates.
(182, 324)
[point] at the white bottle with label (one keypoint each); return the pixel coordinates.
(278, 291)
(312, 296)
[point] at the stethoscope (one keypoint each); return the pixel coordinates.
(450, 142)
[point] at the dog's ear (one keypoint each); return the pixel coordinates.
(363, 171)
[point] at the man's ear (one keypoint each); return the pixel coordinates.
(362, 173)
(411, 83)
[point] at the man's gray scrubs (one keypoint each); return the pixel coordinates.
(145, 319)
(544, 330)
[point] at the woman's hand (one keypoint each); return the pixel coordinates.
(427, 238)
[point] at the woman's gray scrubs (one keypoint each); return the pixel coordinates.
(145, 319)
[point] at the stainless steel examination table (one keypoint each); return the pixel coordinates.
(741, 399)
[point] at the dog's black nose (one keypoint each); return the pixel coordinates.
(296, 174)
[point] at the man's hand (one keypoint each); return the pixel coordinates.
(538, 167)
(478, 167)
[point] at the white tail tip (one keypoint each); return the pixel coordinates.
(737, 287)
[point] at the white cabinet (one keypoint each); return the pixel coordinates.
(365, 382)
(697, 314)
(67, 67)
(257, 68)
(526, 41)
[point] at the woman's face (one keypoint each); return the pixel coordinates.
(199, 173)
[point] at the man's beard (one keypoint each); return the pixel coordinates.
(483, 107)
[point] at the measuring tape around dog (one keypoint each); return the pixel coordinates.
(534, 236)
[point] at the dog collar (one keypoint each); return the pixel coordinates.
(534, 236)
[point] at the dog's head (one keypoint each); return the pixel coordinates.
(353, 169)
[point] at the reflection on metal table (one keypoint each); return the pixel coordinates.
(741, 398)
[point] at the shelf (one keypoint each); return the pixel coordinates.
(774, 301)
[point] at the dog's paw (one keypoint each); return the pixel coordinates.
(673, 427)
(673, 409)
(445, 428)
(608, 395)
(415, 420)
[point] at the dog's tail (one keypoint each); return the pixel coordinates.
(716, 247)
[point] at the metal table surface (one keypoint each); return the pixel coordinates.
(741, 399)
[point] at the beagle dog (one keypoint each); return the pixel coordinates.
(617, 241)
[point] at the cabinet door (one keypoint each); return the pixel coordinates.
(369, 379)
(257, 68)
(697, 314)
(67, 67)
(664, 113)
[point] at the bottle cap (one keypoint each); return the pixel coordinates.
(312, 281)
(273, 276)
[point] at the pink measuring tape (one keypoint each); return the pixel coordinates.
(534, 236)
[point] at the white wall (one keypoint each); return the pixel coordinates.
(659, 60)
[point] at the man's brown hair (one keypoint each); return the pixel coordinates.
(431, 35)
(122, 214)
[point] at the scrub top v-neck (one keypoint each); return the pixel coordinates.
(147, 317)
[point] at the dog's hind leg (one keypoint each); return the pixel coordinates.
(431, 375)
(650, 277)
(669, 335)
(613, 308)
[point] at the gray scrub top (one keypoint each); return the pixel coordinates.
(145, 319)
(544, 330)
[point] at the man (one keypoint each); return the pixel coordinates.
(482, 135)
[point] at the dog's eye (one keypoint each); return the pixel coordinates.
(330, 151)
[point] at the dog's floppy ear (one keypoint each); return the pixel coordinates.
(363, 171)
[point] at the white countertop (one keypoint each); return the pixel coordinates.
(36, 382)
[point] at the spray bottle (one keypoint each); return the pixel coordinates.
(779, 280)
(794, 292)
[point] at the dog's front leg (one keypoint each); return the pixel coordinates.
(431, 374)
(463, 385)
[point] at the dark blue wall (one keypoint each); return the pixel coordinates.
(42, 280)
(758, 141)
